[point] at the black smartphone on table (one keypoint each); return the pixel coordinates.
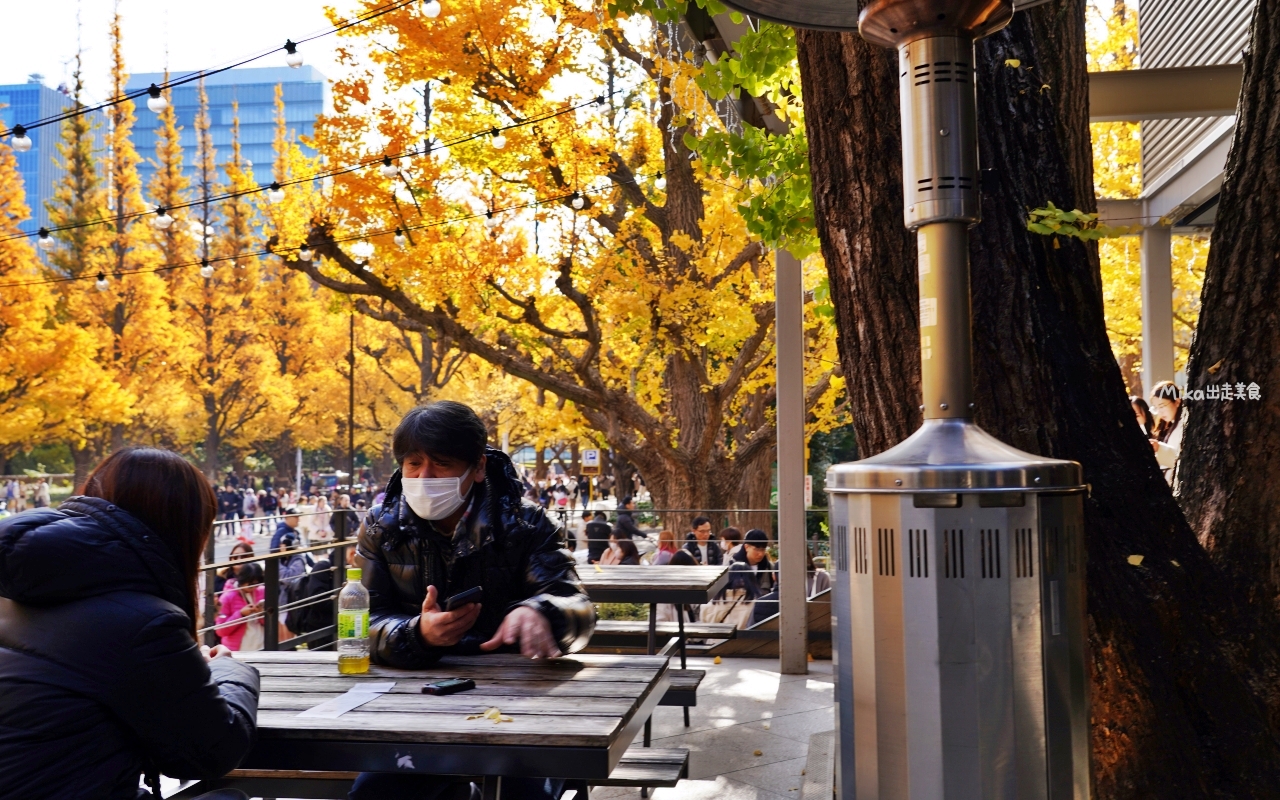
(451, 686)
(472, 595)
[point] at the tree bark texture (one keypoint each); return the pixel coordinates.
(1231, 450)
(1181, 671)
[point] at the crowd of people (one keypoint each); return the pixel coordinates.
(21, 495)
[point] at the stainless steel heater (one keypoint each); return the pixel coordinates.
(959, 592)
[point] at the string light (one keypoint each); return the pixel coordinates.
(162, 221)
(46, 241)
(362, 249)
(400, 239)
(306, 254)
(388, 168)
(490, 221)
(431, 9)
(577, 202)
(101, 283)
(275, 193)
(206, 269)
(293, 58)
(156, 102)
(499, 141)
(20, 142)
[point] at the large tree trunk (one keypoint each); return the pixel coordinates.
(1177, 673)
(1231, 450)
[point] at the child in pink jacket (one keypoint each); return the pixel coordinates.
(242, 599)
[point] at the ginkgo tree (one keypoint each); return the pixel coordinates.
(629, 286)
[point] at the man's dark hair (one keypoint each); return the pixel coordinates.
(700, 521)
(628, 500)
(444, 429)
(601, 515)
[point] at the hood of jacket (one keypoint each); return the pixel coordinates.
(84, 548)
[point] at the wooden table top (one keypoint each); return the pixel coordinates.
(653, 584)
(583, 701)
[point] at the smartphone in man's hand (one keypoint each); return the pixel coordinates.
(473, 595)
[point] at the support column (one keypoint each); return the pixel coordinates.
(793, 645)
(1157, 306)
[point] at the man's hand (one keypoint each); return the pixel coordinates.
(445, 628)
(528, 628)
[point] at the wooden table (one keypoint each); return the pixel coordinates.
(571, 717)
(679, 586)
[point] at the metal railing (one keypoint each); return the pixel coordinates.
(272, 608)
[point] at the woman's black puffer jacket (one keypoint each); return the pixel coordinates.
(519, 561)
(100, 676)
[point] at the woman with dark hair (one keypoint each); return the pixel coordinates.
(1166, 405)
(1145, 419)
(103, 678)
(628, 554)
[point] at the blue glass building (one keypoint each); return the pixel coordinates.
(24, 103)
(306, 95)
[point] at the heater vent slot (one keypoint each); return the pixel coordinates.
(953, 553)
(886, 560)
(1052, 552)
(1024, 554)
(841, 548)
(861, 563)
(989, 542)
(918, 553)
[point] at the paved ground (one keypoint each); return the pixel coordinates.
(744, 706)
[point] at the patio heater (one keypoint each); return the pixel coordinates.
(959, 589)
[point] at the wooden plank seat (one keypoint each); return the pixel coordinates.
(654, 768)
(684, 688)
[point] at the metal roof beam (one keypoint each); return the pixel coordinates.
(1170, 93)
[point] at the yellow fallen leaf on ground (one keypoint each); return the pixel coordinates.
(492, 713)
(717, 660)
(1135, 560)
(759, 752)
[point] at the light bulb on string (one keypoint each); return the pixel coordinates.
(156, 101)
(292, 57)
(499, 141)
(162, 220)
(206, 270)
(306, 254)
(388, 168)
(20, 142)
(275, 193)
(45, 241)
(362, 249)
(365, 266)
(431, 9)
(490, 221)
(577, 202)
(400, 238)
(101, 283)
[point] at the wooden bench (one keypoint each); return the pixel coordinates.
(634, 633)
(651, 768)
(684, 688)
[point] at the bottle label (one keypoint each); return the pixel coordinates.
(353, 624)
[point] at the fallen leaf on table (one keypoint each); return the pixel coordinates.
(759, 752)
(492, 713)
(597, 566)
(1135, 560)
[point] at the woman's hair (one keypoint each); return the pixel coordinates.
(1166, 390)
(730, 534)
(627, 549)
(667, 540)
(1148, 419)
(169, 495)
(241, 547)
(444, 429)
(682, 559)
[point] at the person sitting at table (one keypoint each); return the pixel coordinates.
(667, 548)
(104, 678)
(730, 541)
(621, 551)
(454, 518)
(699, 544)
(598, 532)
(751, 570)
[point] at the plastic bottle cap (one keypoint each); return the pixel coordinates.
(353, 574)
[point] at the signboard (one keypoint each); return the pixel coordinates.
(590, 462)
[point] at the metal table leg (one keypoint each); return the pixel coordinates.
(492, 787)
(680, 612)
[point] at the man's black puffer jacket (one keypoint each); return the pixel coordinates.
(100, 676)
(521, 560)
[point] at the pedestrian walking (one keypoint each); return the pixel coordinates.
(43, 499)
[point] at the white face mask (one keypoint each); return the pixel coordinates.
(434, 498)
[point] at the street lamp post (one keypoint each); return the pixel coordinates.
(958, 605)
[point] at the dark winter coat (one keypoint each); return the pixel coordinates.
(100, 676)
(626, 527)
(597, 539)
(755, 583)
(512, 550)
(715, 557)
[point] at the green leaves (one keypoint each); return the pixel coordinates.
(1054, 221)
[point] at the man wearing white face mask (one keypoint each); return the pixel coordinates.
(454, 518)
